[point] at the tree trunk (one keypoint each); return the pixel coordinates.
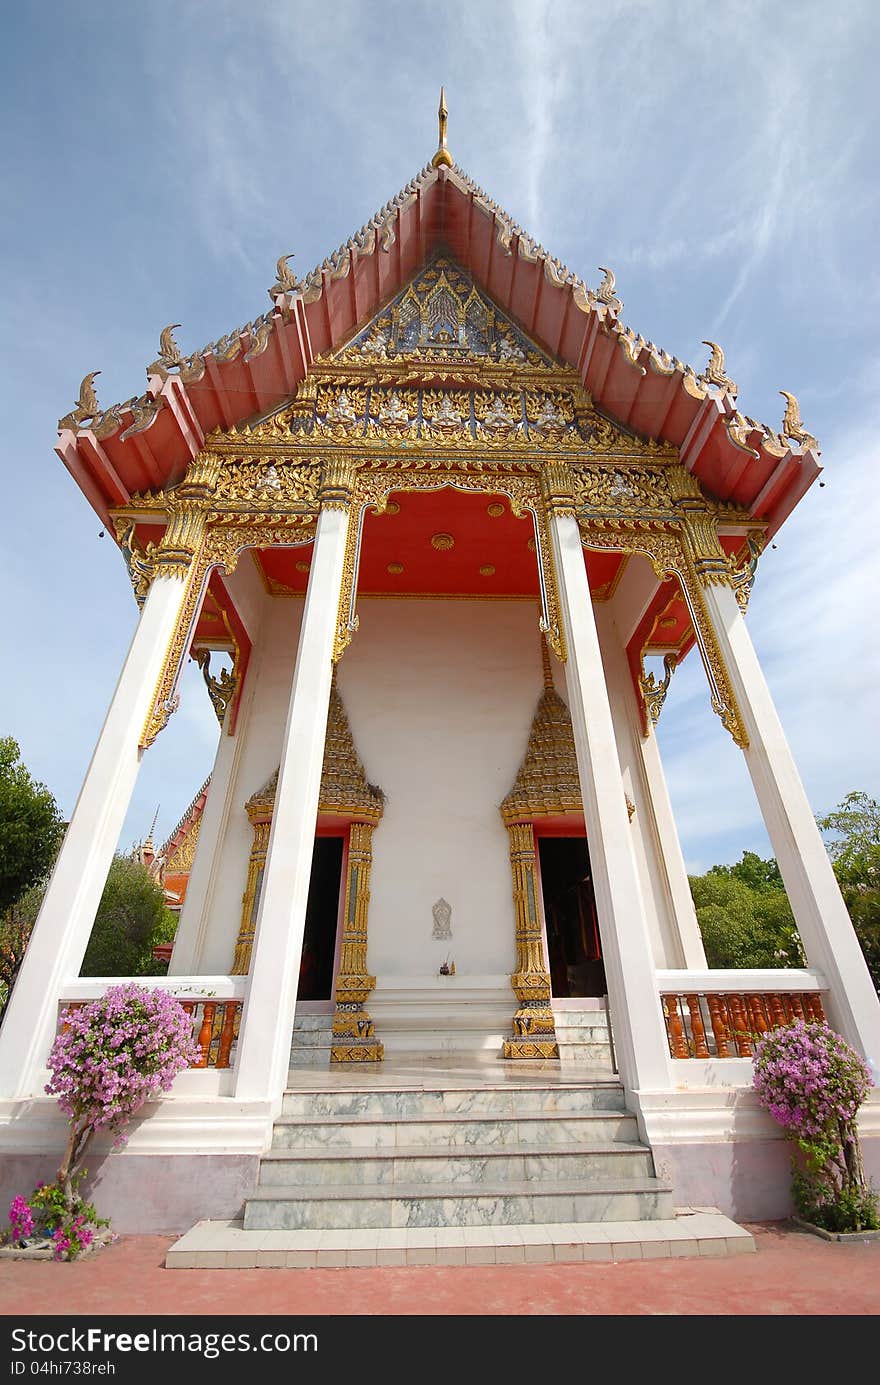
(77, 1143)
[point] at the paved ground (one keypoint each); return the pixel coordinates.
(791, 1273)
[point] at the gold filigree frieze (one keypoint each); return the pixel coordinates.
(669, 557)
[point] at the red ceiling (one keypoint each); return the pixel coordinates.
(402, 540)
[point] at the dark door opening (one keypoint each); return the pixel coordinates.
(576, 966)
(322, 914)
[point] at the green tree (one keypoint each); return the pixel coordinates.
(852, 836)
(131, 919)
(15, 930)
(30, 827)
(744, 915)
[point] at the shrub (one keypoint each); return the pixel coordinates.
(813, 1084)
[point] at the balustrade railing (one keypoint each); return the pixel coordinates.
(215, 1016)
(723, 1014)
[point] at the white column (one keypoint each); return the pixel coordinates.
(270, 1000)
(690, 939)
(189, 940)
(639, 1032)
(62, 930)
(670, 914)
(820, 913)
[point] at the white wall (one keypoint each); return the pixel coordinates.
(440, 695)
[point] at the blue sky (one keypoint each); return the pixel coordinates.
(158, 159)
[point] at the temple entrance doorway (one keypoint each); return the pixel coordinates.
(322, 916)
(573, 944)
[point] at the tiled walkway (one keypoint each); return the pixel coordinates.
(791, 1273)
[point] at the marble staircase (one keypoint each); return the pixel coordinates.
(584, 1035)
(416, 1161)
(516, 1151)
(310, 1041)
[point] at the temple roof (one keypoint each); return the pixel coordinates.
(147, 442)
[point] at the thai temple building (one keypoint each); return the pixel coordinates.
(447, 516)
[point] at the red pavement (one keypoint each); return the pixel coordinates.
(791, 1273)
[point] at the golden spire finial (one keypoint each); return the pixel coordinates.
(442, 157)
(549, 685)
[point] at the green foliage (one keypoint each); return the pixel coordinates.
(15, 930)
(745, 917)
(30, 827)
(132, 919)
(852, 833)
(70, 1221)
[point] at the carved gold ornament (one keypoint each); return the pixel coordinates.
(221, 690)
(443, 543)
(715, 374)
(791, 423)
(442, 158)
(487, 570)
(87, 408)
(534, 1031)
(654, 691)
(495, 510)
(394, 568)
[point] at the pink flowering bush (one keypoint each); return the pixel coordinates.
(112, 1056)
(21, 1221)
(813, 1084)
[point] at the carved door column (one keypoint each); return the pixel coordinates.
(533, 1026)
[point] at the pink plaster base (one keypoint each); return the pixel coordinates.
(145, 1193)
(749, 1180)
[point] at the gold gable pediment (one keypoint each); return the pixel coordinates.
(547, 781)
(344, 786)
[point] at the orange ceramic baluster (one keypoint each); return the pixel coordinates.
(226, 1032)
(674, 1027)
(719, 1026)
(740, 1026)
(698, 1029)
(204, 1041)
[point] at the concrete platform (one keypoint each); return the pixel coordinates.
(226, 1245)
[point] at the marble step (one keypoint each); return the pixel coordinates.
(594, 1055)
(310, 1057)
(226, 1245)
(457, 1204)
(311, 1038)
(490, 1101)
(304, 1022)
(431, 1165)
(578, 1019)
(457, 1130)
